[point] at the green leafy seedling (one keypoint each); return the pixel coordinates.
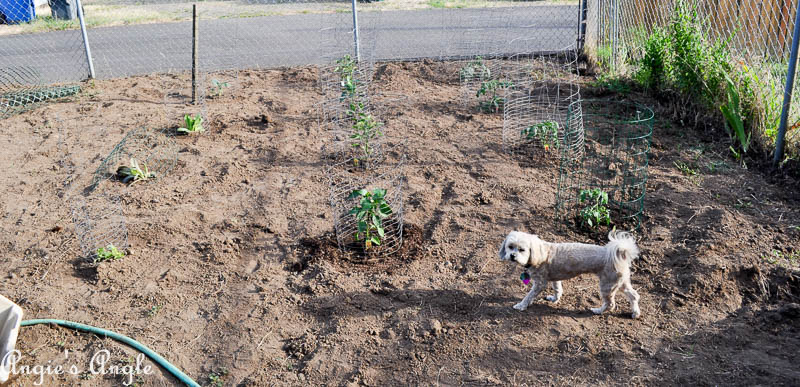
(489, 88)
(192, 124)
(596, 212)
(546, 132)
(365, 130)
(346, 68)
(475, 69)
(370, 213)
(219, 87)
(108, 253)
(133, 173)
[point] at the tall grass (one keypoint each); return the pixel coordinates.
(683, 60)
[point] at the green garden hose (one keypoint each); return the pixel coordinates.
(122, 338)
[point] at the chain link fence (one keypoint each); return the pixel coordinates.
(756, 36)
(128, 37)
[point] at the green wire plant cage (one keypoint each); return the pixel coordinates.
(606, 145)
(21, 89)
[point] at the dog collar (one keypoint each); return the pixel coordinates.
(525, 277)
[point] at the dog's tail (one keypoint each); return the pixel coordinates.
(623, 247)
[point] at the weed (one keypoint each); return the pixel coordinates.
(546, 132)
(653, 70)
(685, 169)
(596, 212)
(738, 156)
(732, 110)
(489, 88)
(714, 166)
(742, 204)
(132, 173)
(219, 87)
(778, 257)
(192, 124)
(108, 253)
(616, 85)
(370, 213)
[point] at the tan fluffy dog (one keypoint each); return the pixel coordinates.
(555, 262)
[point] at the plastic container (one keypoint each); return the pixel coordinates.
(10, 318)
(63, 9)
(17, 11)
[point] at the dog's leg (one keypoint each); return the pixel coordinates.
(607, 293)
(538, 285)
(558, 289)
(633, 297)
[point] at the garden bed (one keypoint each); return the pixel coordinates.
(234, 274)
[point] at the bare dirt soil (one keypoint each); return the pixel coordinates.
(234, 277)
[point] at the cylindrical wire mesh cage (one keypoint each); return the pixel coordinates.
(345, 76)
(350, 236)
(152, 150)
(535, 117)
(21, 89)
(99, 223)
(607, 152)
(348, 123)
(488, 81)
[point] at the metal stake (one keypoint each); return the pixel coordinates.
(355, 30)
(194, 54)
(85, 38)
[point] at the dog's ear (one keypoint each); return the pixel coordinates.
(538, 251)
(502, 252)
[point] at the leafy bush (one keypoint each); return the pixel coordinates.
(370, 213)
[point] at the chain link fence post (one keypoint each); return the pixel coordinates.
(82, 22)
(355, 31)
(787, 92)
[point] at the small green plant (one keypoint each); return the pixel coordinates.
(108, 253)
(215, 378)
(613, 84)
(779, 257)
(685, 169)
(133, 173)
(192, 124)
(490, 88)
(219, 87)
(546, 132)
(596, 212)
(154, 310)
(475, 69)
(370, 212)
